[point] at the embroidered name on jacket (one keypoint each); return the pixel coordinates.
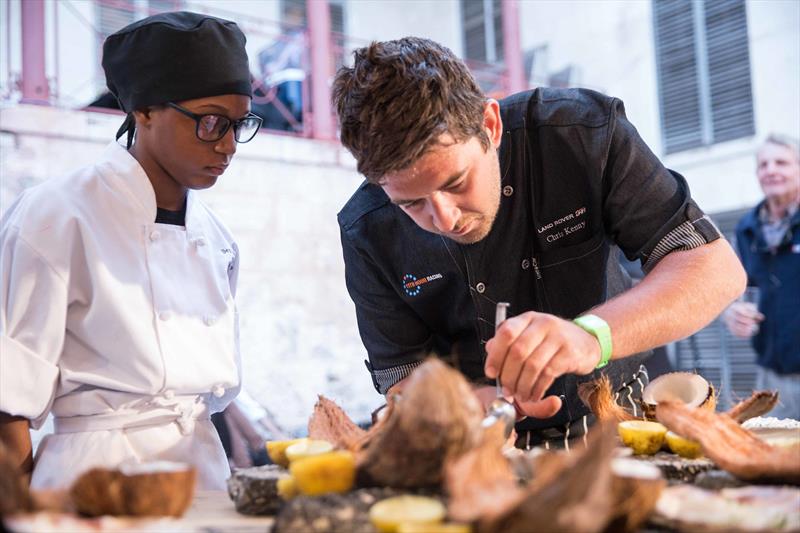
(413, 285)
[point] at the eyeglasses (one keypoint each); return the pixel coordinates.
(212, 127)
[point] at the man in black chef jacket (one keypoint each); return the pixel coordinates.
(469, 201)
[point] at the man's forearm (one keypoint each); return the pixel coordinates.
(15, 436)
(684, 292)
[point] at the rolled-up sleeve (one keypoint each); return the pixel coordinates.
(32, 328)
(648, 209)
(396, 339)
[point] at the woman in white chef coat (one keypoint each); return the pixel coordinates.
(118, 283)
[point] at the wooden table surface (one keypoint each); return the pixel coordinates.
(214, 511)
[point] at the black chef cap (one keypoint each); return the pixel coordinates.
(172, 57)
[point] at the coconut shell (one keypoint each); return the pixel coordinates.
(570, 492)
(437, 417)
(482, 482)
(255, 490)
(634, 499)
(101, 491)
(709, 402)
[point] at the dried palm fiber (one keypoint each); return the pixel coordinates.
(598, 396)
(329, 422)
(730, 446)
(759, 403)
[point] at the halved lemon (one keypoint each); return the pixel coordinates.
(276, 449)
(307, 448)
(389, 514)
(644, 438)
(324, 472)
(684, 447)
(287, 488)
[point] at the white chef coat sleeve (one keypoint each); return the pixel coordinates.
(33, 315)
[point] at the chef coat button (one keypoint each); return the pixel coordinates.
(199, 242)
(480, 287)
(218, 391)
(165, 315)
(155, 235)
(526, 264)
(169, 394)
(209, 320)
(508, 190)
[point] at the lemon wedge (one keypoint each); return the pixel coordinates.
(276, 449)
(307, 448)
(644, 438)
(684, 447)
(324, 473)
(407, 511)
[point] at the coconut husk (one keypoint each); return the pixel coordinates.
(338, 513)
(101, 491)
(570, 492)
(635, 496)
(482, 482)
(254, 490)
(438, 417)
(730, 446)
(676, 468)
(598, 396)
(330, 422)
(759, 403)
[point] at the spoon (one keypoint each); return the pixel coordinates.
(500, 409)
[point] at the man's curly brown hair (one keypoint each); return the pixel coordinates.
(399, 97)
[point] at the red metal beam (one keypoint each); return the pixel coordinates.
(511, 47)
(319, 28)
(35, 89)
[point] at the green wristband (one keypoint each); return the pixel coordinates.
(599, 329)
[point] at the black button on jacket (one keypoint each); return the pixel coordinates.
(577, 182)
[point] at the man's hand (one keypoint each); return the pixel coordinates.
(742, 319)
(531, 350)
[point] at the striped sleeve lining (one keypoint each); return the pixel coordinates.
(684, 237)
(387, 377)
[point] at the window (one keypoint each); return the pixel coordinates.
(290, 9)
(115, 15)
(482, 24)
(727, 361)
(703, 62)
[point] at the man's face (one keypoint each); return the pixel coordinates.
(778, 171)
(183, 157)
(454, 189)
